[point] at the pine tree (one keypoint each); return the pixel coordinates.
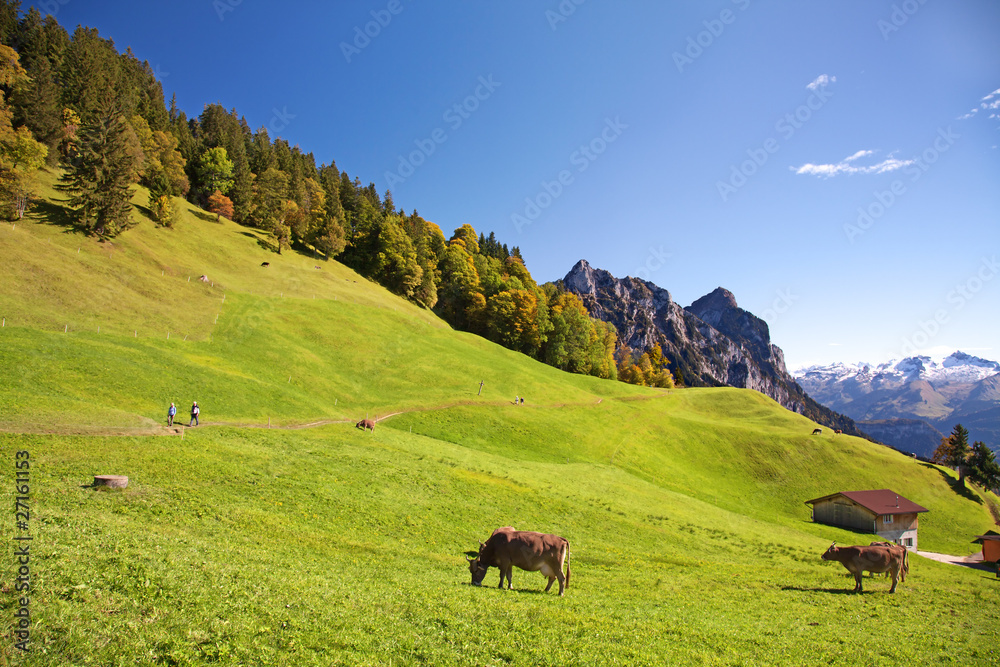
(99, 176)
(983, 467)
(954, 450)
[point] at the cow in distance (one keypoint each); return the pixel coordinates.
(366, 424)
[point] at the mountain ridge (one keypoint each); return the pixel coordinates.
(938, 391)
(713, 342)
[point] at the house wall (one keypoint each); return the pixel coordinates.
(841, 511)
(991, 550)
(844, 512)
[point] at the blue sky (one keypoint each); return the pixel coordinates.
(833, 164)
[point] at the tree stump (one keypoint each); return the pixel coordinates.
(111, 481)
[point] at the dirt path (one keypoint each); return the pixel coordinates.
(973, 561)
(179, 427)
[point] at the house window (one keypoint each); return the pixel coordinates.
(886, 518)
(907, 541)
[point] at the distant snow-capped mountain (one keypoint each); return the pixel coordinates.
(942, 391)
(957, 367)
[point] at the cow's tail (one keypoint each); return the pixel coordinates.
(568, 554)
(906, 561)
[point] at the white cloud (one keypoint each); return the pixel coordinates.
(987, 103)
(848, 166)
(859, 154)
(821, 81)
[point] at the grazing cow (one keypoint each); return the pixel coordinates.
(871, 558)
(265, 263)
(898, 548)
(817, 431)
(527, 550)
(366, 424)
(838, 432)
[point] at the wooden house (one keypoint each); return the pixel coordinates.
(883, 512)
(991, 546)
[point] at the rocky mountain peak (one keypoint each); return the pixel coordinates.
(719, 299)
(712, 342)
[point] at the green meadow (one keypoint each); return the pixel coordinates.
(239, 544)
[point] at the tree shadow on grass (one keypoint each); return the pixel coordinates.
(262, 242)
(202, 215)
(52, 213)
(958, 487)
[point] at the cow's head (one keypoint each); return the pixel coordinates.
(478, 570)
(829, 553)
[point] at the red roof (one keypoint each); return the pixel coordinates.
(882, 501)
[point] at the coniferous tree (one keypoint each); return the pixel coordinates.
(100, 174)
(983, 467)
(954, 450)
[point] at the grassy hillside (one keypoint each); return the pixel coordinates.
(235, 545)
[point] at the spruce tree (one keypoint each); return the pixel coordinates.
(954, 450)
(99, 176)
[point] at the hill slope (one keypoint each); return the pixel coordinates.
(690, 540)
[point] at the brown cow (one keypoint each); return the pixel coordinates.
(817, 431)
(366, 424)
(527, 550)
(858, 559)
(899, 548)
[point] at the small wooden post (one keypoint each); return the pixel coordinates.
(480, 388)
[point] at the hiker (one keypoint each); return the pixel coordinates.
(195, 411)
(170, 414)
(517, 400)
(522, 400)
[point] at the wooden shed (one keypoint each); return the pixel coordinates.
(991, 546)
(883, 512)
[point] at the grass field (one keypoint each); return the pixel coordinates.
(690, 540)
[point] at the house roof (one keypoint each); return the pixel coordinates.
(990, 535)
(882, 501)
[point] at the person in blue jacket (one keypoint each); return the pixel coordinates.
(170, 414)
